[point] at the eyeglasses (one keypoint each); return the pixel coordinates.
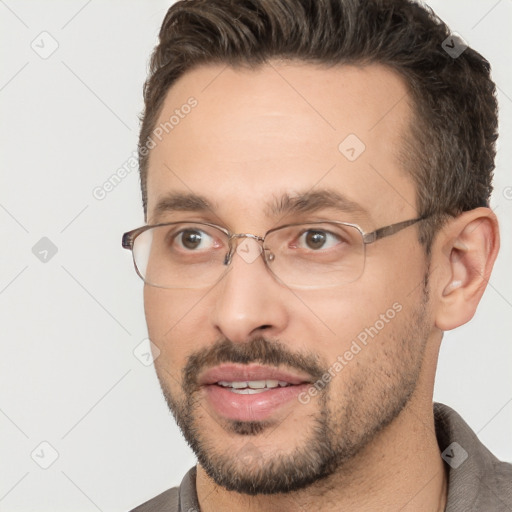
(307, 255)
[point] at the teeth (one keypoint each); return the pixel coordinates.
(257, 384)
(248, 391)
(252, 385)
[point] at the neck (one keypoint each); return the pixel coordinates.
(400, 469)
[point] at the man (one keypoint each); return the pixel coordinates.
(316, 178)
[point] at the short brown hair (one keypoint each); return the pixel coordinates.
(451, 146)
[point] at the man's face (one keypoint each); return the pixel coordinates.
(254, 138)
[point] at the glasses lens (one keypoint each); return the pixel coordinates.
(192, 255)
(185, 255)
(316, 255)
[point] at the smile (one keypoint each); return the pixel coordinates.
(253, 386)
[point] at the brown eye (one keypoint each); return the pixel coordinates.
(191, 239)
(194, 239)
(315, 239)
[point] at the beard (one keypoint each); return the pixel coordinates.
(344, 422)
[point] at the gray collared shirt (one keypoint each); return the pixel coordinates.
(477, 480)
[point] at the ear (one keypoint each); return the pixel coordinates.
(466, 249)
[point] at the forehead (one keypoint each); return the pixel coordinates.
(241, 136)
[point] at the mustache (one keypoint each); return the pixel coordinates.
(257, 350)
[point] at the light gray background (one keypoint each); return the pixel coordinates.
(68, 375)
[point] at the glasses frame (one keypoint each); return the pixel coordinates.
(129, 237)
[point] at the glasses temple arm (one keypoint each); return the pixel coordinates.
(389, 230)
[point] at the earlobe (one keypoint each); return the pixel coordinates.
(467, 249)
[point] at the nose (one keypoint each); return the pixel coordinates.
(249, 302)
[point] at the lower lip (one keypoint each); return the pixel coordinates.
(256, 407)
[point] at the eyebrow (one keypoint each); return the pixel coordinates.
(181, 202)
(312, 201)
(286, 204)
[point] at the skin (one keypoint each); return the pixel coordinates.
(254, 135)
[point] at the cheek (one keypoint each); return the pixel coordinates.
(359, 320)
(368, 336)
(347, 310)
(157, 305)
(395, 265)
(173, 318)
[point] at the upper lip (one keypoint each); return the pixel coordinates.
(252, 372)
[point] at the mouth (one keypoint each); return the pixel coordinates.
(253, 387)
(250, 392)
(254, 376)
